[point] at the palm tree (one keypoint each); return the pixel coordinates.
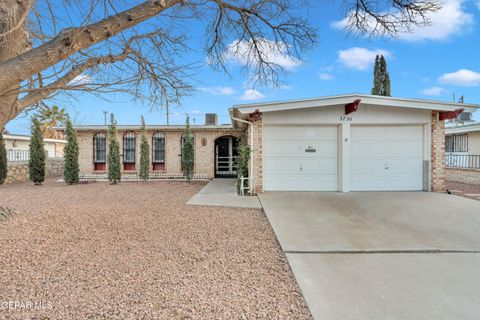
(50, 117)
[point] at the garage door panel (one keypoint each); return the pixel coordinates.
(294, 149)
(368, 166)
(387, 158)
(407, 148)
(301, 133)
(309, 183)
(302, 158)
(403, 183)
(300, 167)
(368, 149)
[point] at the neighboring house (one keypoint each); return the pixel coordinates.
(339, 143)
(18, 148)
(462, 148)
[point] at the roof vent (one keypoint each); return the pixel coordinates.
(211, 119)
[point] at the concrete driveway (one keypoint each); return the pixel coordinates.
(381, 255)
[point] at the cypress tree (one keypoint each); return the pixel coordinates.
(36, 165)
(113, 157)
(72, 168)
(381, 77)
(144, 154)
(187, 152)
(3, 160)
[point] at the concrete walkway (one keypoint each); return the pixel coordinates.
(222, 192)
(381, 255)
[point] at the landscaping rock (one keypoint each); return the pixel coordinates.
(137, 251)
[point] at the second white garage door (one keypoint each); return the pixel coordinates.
(300, 158)
(387, 158)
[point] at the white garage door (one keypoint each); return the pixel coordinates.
(386, 158)
(300, 158)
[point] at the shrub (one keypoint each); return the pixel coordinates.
(3, 160)
(243, 159)
(113, 157)
(36, 165)
(72, 168)
(187, 152)
(144, 154)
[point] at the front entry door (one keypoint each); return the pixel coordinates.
(225, 157)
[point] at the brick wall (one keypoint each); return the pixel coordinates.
(204, 149)
(470, 176)
(257, 154)
(438, 154)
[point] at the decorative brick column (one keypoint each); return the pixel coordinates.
(257, 153)
(438, 154)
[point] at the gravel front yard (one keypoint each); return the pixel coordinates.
(136, 251)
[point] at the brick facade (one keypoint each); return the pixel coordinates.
(257, 154)
(438, 172)
(463, 175)
(204, 148)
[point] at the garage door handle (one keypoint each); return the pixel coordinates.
(387, 167)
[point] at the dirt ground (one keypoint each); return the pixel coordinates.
(136, 251)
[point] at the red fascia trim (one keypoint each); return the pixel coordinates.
(447, 115)
(352, 107)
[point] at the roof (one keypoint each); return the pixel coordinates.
(348, 98)
(26, 137)
(471, 127)
(149, 127)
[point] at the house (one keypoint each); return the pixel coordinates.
(215, 149)
(462, 151)
(341, 143)
(18, 147)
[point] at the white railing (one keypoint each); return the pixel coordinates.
(244, 188)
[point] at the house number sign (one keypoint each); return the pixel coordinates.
(346, 119)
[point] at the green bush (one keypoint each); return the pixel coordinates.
(3, 159)
(243, 159)
(36, 165)
(113, 157)
(144, 154)
(70, 154)
(188, 152)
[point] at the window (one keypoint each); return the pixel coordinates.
(99, 151)
(456, 143)
(158, 151)
(129, 141)
(181, 150)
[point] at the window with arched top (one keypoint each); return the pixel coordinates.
(129, 145)
(158, 151)
(100, 151)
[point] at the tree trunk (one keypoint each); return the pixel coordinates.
(15, 41)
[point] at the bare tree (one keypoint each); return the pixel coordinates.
(57, 46)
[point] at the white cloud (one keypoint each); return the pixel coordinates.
(81, 79)
(220, 91)
(360, 58)
(325, 76)
(433, 91)
(451, 19)
(277, 53)
(252, 94)
(462, 77)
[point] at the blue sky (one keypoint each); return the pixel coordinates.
(435, 62)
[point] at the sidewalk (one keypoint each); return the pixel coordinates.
(222, 192)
